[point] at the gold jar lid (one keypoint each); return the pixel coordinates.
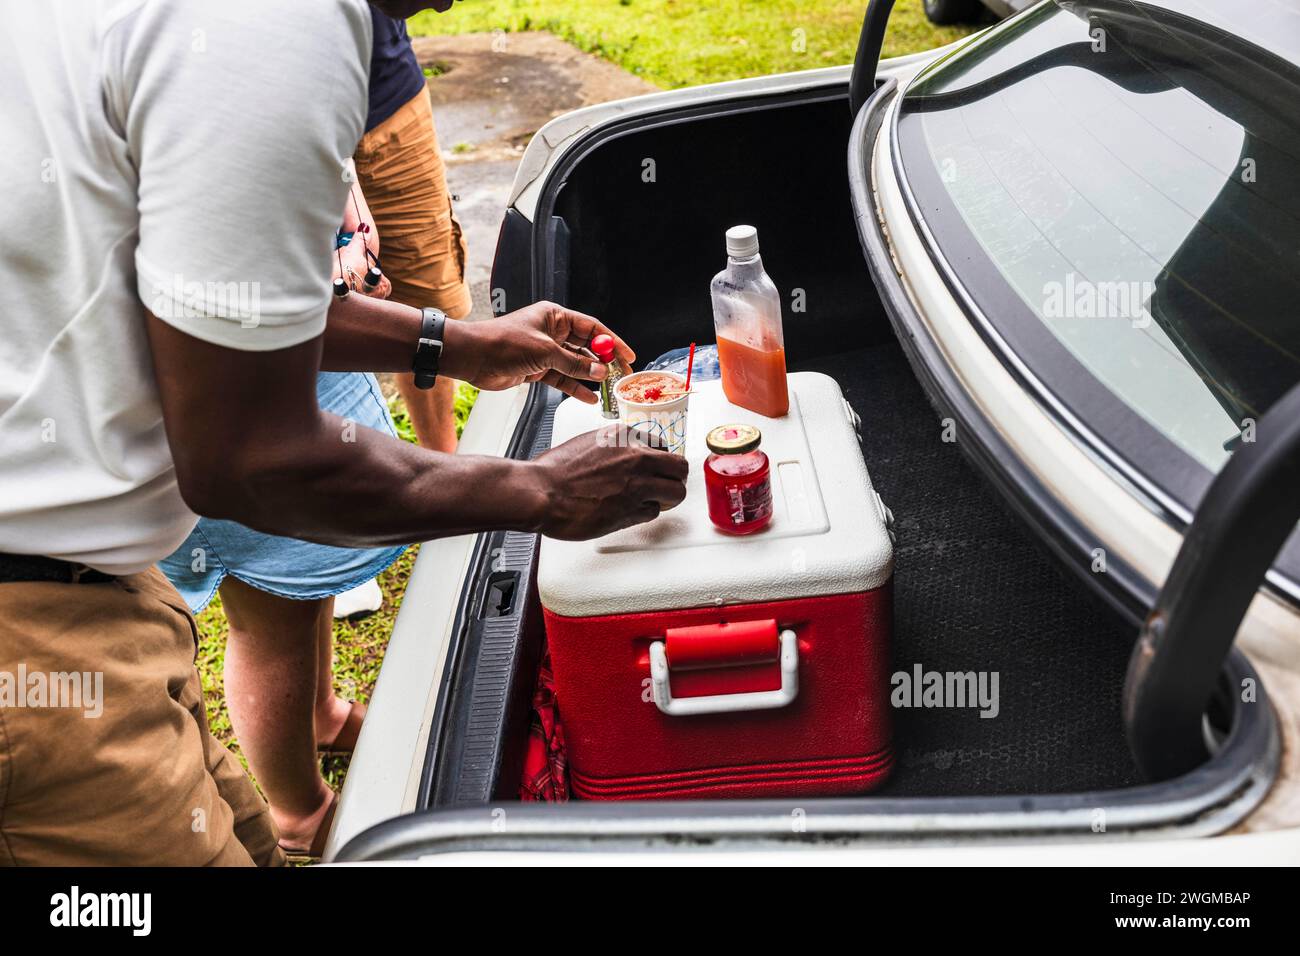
(733, 439)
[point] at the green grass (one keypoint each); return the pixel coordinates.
(674, 43)
(465, 396)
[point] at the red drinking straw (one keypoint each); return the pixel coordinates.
(690, 364)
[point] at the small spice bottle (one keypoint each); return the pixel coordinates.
(737, 479)
(602, 346)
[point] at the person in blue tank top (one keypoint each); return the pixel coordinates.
(400, 170)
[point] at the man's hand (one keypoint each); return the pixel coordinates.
(605, 480)
(352, 262)
(351, 265)
(534, 344)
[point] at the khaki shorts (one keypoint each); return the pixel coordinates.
(421, 247)
(116, 765)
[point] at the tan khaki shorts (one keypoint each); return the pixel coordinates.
(421, 247)
(127, 773)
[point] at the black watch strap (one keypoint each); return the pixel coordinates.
(428, 352)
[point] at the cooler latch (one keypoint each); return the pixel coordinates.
(718, 646)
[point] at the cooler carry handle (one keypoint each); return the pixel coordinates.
(725, 703)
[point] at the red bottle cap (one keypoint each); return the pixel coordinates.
(603, 347)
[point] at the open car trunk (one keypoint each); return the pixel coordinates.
(973, 590)
(630, 228)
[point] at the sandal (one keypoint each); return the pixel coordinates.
(313, 853)
(345, 741)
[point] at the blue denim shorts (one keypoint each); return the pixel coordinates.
(285, 566)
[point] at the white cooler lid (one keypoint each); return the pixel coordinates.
(827, 534)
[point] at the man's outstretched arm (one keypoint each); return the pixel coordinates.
(536, 343)
(251, 445)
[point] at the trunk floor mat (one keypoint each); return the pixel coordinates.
(975, 592)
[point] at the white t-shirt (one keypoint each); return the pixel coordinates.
(182, 156)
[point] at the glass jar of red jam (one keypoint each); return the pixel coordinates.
(737, 479)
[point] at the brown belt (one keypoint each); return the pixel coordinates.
(37, 567)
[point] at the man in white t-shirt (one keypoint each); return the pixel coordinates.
(177, 169)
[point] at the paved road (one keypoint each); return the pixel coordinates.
(493, 92)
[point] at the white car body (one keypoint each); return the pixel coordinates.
(384, 777)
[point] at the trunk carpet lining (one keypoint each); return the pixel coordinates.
(975, 592)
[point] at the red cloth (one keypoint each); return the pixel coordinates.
(546, 775)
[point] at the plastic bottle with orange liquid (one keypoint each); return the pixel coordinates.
(747, 319)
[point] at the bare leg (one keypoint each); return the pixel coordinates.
(330, 711)
(422, 248)
(273, 672)
(432, 411)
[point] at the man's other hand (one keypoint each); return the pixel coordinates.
(605, 480)
(534, 344)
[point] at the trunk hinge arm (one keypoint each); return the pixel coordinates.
(867, 60)
(1247, 514)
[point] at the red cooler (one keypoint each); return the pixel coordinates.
(692, 663)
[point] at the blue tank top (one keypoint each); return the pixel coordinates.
(395, 74)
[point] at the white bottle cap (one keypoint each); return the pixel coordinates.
(742, 242)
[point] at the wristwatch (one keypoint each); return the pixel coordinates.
(428, 353)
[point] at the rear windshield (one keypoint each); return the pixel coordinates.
(1125, 177)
